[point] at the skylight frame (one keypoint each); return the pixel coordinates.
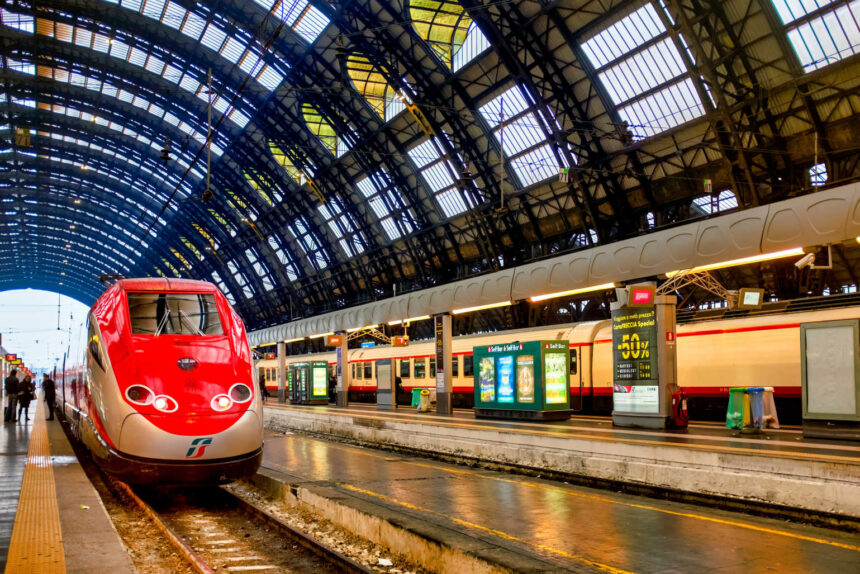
(439, 177)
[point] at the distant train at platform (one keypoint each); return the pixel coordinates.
(713, 356)
(161, 388)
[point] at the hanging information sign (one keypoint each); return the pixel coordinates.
(634, 349)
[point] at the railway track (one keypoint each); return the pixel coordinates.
(216, 531)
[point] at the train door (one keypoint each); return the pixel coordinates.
(577, 402)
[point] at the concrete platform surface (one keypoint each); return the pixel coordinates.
(517, 523)
(779, 468)
(56, 509)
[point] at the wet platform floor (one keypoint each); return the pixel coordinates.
(568, 527)
(785, 442)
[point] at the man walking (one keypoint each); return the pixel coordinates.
(50, 390)
(12, 386)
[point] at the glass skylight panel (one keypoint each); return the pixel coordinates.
(341, 227)
(818, 175)
(240, 279)
(174, 15)
(474, 44)
(519, 132)
(713, 204)
(260, 269)
(22, 22)
(438, 177)
(791, 10)
(193, 26)
(827, 38)
(283, 258)
(308, 242)
(311, 24)
(232, 50)
(631, 71)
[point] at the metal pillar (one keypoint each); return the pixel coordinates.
(342, 371)
(444, 403)
(282, 372)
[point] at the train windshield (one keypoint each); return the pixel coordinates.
(174, 314)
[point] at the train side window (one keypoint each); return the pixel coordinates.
(468, 370)
(573, 361)
(94, 346)
(404, 368)
(455, 364)
(419, 368)
(432, 367)
(368, 370)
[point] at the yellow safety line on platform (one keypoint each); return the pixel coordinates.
(499, 533)
(573, 435)
(37, 542)
(606, 499)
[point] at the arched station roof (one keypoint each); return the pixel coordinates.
(363, 148)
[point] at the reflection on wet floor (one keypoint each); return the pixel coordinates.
(568, 524)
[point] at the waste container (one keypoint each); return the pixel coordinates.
(680, 418)
(769, 418)
(416, 397)
(755, 396)
(735, 415)
(424, 401)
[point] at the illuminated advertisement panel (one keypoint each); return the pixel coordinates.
(320, 382)
(487, 379)
(555, 377)
(526, 379)
(505, 377)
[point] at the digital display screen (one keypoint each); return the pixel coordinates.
(505, 376)
(525, 379)
(555, 377)
(487, 379)
(751, 298)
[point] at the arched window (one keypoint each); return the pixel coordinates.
(286, 163)
(321, 127)
(371, 83)
(448, 30)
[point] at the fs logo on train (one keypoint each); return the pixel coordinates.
(198, 447)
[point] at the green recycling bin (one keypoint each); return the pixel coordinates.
(416, 397)
(735, 415)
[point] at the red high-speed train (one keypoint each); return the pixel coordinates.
(164, 392)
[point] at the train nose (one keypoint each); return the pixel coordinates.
(215, 437)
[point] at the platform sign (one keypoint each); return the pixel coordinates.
(402, 341)
(334, 341)
(11, 357)
(368, 344)
(750, 298)
(634, 347)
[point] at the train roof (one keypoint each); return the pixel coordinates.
(165, 284)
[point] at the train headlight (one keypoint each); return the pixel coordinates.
(240, 393)
(221, 402)
(165, 404)
(139, 395)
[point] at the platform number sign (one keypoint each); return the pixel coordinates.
(634, 354)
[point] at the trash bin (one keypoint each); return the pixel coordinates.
(769, 418)
(416, 397)
(755, 396)
(735, 415)
(424, 401)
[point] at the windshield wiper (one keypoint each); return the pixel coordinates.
(163, 322)
(182, 316)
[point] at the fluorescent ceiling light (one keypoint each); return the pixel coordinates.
(294, 340)
(320, 335)
(481, 307)
(602, 287)
(743, 261)
(354, 329)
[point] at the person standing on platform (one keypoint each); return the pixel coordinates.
(263, 392)
(24, 397)
(12, 386)
(50, 390)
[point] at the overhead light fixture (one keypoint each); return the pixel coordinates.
(602, 287)
(412, 320)
(320, 335)
(481, 307)
(294, 340)
(743, 261)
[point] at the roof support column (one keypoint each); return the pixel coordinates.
(342, 369)
(444, 390)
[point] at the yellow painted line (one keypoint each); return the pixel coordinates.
(37, 542)
(499, 533)
(605, 499)
(572, 435)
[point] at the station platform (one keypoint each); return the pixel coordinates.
(52, 519)
(452, 518)
(777, 472)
